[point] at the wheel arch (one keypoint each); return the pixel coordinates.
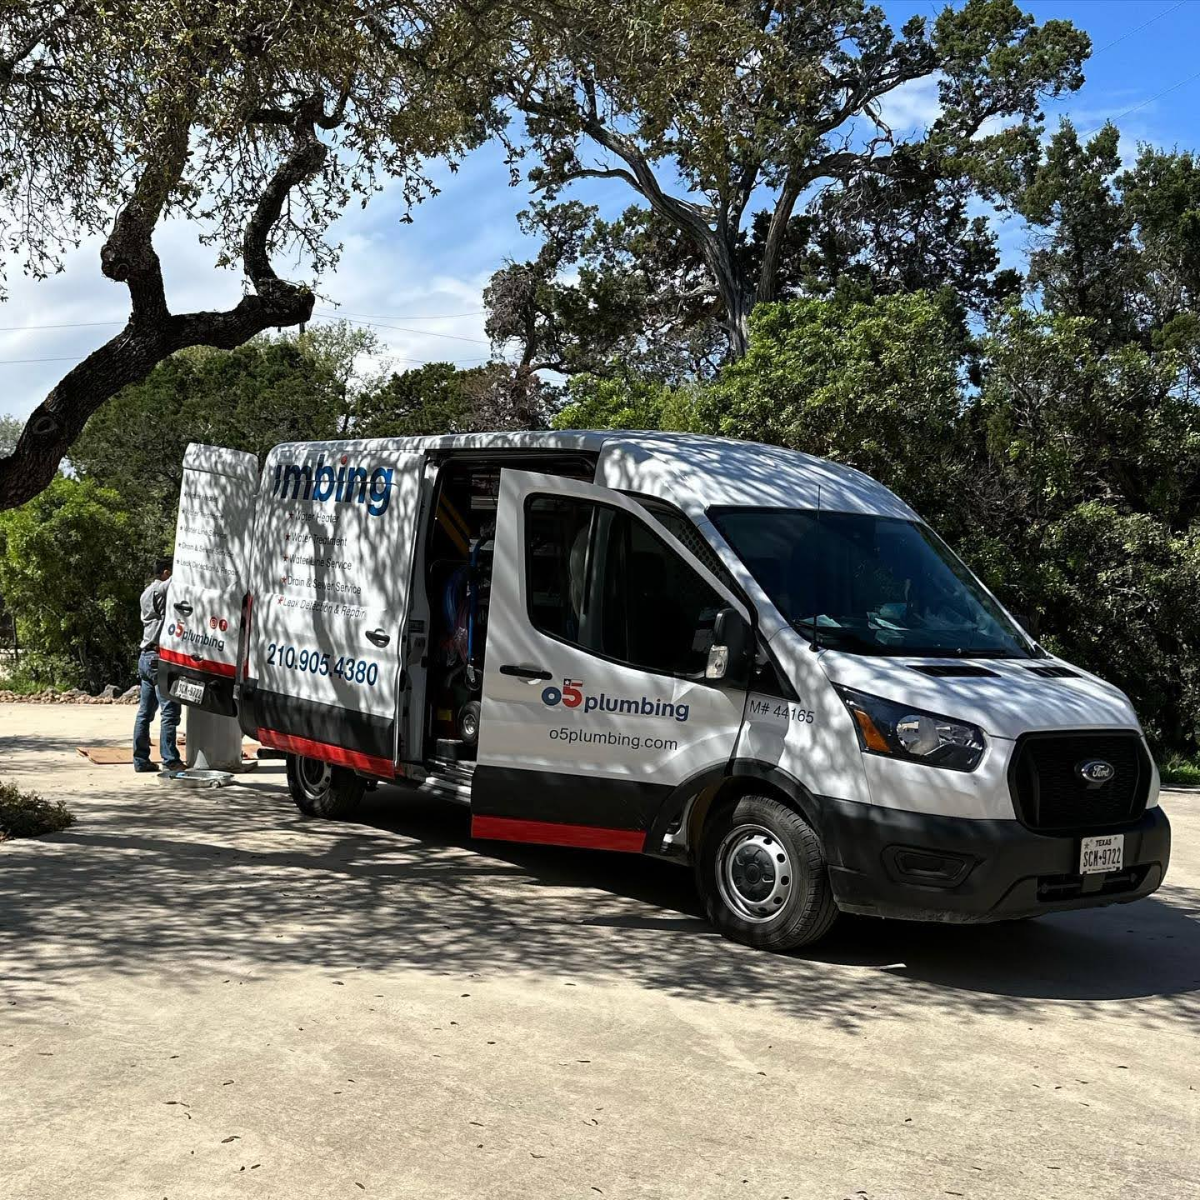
(680, 821)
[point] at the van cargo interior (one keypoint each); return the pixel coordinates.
(458, 557)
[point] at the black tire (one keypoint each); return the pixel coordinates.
(468, 722)
(322, 790)
(746, 895)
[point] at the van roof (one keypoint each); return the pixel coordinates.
(692, 471)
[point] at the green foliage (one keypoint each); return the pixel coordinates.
(625, 403)
(1088, 512)
(439, 398)
(10, 430)
(26, 814)
(271, 390)
(433, 398)
(706, 106)
(874, 385)
(73, 562)
(606, 297)
(1117, 593)
(1088, 265)
(1178, 771)
(1068, 420)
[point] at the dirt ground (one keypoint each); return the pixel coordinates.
(204, 995)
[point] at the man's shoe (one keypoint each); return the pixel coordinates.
(176, 764)
(142, 767)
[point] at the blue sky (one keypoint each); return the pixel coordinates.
(428, 277)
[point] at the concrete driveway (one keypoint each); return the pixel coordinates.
(204, 995)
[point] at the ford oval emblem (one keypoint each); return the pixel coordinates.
(1095, 771)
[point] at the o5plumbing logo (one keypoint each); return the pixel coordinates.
(571, 695)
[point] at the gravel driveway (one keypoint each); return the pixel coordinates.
(204, 995)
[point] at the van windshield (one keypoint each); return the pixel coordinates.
(870, 584)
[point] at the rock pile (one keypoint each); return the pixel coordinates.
(110, 695)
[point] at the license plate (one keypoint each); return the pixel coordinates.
(1100, 854)
(186, 689)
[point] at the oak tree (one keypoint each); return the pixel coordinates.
(707, 108)
(257, 121)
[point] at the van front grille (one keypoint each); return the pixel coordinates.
(1052, 794)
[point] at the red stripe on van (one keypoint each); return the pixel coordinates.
(338, 755)
(197, 664)
(551, 833)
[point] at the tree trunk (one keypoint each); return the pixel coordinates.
(768, 275)
(733, 291)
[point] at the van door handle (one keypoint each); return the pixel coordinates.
(186, 609)
(378, 638)
(521, 671)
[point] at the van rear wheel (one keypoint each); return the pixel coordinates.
(322, 790)
(763, 877)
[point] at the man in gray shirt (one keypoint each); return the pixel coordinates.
(154, 611)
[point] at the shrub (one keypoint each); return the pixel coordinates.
(26, 814)
(1176, 770)
(73, 562)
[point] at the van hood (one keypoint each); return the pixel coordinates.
(1010, 700)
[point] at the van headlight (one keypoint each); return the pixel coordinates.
(899, 731)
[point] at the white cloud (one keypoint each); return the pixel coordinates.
(911, 107)
(390, 273)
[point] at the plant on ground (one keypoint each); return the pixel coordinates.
(1177, 770)
(73, 562)
(26, 814)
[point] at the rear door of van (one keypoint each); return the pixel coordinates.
(198, 644)
(334, 541)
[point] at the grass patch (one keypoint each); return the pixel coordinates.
(21, 685)
(1179, 770)
(26, 814)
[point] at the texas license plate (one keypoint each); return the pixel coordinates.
(1100, 854)
(188, 690)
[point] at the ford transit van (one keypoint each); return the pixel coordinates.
(744, 658)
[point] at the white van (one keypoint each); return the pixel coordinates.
(749, 659)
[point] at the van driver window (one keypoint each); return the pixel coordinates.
(602, 580)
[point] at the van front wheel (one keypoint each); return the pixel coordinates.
(762, 875)
(322, 790)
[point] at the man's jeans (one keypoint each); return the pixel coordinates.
(148, 704)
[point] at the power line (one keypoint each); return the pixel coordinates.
(319, 317)
(12, 362)
(1145, 24)
(70, 325)
(1121, 116)
(454, 337)
(401, 317)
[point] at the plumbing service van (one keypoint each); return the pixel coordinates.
(743, 658)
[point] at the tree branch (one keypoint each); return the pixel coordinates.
(153, 333)
(596, 173)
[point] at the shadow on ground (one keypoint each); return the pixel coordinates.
(175, 882)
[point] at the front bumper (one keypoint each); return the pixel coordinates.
(917, 866)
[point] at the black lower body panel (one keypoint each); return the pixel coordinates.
(327, 732)
(548, 806)
(916, 866)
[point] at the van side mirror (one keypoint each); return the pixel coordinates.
(732, 650)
